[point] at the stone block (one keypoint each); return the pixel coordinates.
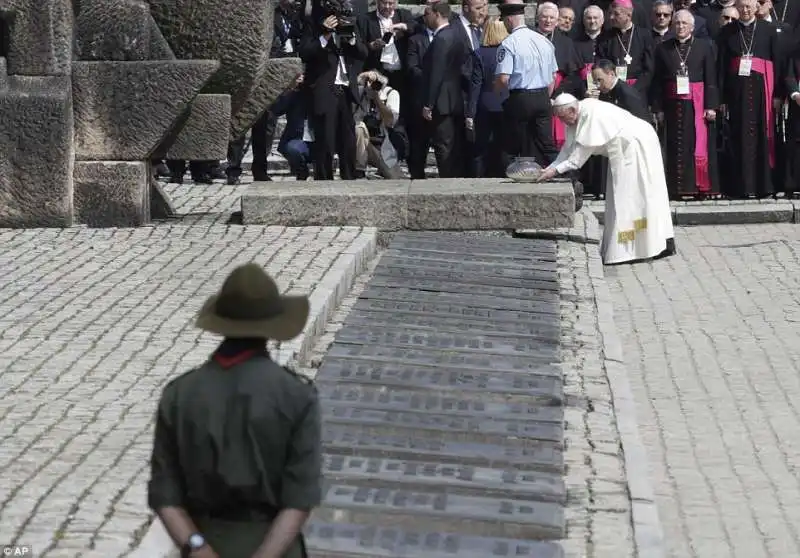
(124, 110)
(112, 193)
(113, 30)
(36, 153)
(204, 135)
(41, 37)
(278, 75)
(239, 37)
(3, 74)
(336, 203)
(488, 204)
(159, 47)
(739, 214)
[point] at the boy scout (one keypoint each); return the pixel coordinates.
(236, 464)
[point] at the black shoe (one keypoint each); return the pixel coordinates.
(359, 174)
(258, 177)
(176, 179)
(205, 179)
(302, 176)
(233, 180)
(668, 251)
(162, 171)
(218, 173)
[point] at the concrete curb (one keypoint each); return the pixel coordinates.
(325, 299)
(647, 529)
(723, 212)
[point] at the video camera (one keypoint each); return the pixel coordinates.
(343, 11)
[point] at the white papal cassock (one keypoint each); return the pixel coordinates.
(637, 218)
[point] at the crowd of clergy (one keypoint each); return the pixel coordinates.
(719, 82)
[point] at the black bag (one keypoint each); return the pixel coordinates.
(399, 138)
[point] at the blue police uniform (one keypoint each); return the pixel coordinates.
(529, 60)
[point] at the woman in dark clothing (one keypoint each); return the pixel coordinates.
(485, 108)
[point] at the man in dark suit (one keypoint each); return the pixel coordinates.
(443, 89)
(614, 90)
(333, 61)
(417, 133)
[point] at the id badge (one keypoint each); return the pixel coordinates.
(745, 66)
(682, 83)
(308, 135)
(622, 73)
(589, 82)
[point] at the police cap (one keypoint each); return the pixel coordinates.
(511, 9)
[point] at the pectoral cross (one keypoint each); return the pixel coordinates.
(628, 59)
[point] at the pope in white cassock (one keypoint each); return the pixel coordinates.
(638, 221)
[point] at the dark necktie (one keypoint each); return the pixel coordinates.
(476, 36)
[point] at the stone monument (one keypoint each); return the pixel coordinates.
(91, 91)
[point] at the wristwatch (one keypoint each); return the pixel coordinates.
(196, 542)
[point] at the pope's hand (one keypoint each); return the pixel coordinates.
(547, 174)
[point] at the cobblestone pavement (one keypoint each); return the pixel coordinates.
(711, 339)
(92, 324)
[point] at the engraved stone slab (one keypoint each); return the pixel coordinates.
(475, 301)
(463, 343)
(525, 456)
(351, 396)
(507, 244)
(447, 380)
(366, 541)
(454, 283)
(439, 477)
(455, 427)
(378, 321)
(468, 361)
(431, 308)
(479, 247)
(470, 271)
(441, 512)
(400, 257)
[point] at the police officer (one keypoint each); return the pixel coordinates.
(236, 464)
(526, 66)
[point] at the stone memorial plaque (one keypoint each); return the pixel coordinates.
(432, 309)
(419, 475)
(419, 258)
(378, 321)
(353, 396)
(341, 439)
(462, 343)
(367, 541)
(405, 267)
(465, 300)
(447, 380)
(448, 359)
(539, 290)
(453, 426)
(477, 243)
(542, 519)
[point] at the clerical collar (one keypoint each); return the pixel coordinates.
(681, 41)
(768, 18)
(661, 32)
(614, 83)
(629, 28)
(594, 35)
(549, 35)
(748, 23)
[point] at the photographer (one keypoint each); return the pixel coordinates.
(333, 55)
(380, 140)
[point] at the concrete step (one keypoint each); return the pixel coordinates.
(440, 512)
(438, 478)
(342, 540)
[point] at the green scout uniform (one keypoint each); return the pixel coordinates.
(236, 441)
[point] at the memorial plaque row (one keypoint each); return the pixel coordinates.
(457, 280)
(349, 440)
(433, 309)
(377, 321)
(533, 485)
(336, 370)
(538, 290)
(456, 342)
(454, 506)
(427, 402)
(495, 267)
(432, 358)
(366, 541)
(473, 243)
(413, 258)
(465, 300)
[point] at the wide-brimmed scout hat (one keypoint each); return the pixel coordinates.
(250, 305)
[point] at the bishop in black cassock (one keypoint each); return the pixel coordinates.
(628, 46)
(685, 98)
(748, 62)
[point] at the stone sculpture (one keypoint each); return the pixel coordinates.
(92, 90)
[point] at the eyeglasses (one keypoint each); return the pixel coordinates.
(662, 14)
(727, 18)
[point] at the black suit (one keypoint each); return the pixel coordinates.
(444, 93)
(628, 98)
(331, 105)
(417, 47)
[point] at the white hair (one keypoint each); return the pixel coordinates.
(593, 8)
(544, 6)
(685, 12)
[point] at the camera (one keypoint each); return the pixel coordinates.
(343, 11)
(376, 85)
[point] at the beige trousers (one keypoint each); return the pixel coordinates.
(366, 153)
